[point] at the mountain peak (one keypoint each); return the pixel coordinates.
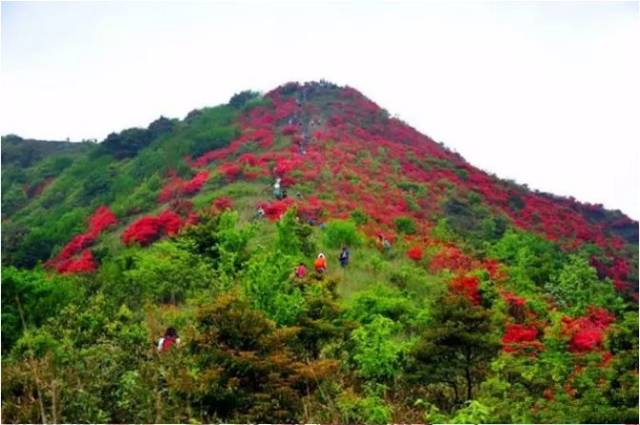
(212, 226)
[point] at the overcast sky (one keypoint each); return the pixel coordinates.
(546, 94)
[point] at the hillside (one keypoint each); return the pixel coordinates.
(489, 303)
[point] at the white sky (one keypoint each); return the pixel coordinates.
(546, 94)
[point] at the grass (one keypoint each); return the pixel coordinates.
(367, 266)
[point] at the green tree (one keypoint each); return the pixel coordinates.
(378, 351)
(577, 286)
(456, 347)
(30, 297)
(248, 369)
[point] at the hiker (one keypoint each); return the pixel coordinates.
(383, 243)
(277, 191)
(169, 339)
(301, 270)
(344, 257)
(320, 264)
(386, 245)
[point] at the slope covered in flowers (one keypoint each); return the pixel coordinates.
(520, 295)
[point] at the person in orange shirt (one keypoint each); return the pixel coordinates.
(320, 263)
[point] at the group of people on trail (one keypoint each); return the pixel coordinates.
(320, 263)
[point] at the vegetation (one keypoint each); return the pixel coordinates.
(487, 303)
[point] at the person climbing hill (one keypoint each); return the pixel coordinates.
(301, 270)
(383, 244)
(169, 339)
(344, 257)
(259, 213)
(320, 264)
(277, 190)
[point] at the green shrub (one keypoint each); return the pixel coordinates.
(381, 300)
(576, 286)
(268, 286)
(370, 410)
(166, 273)
(294, 238)
(359, 217)
(342, 232)
(377, 356)
(405, 225)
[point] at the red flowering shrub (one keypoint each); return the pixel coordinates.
(170, 222)
(222, 203)
(287, 181)
(84, 264)
(195, 184)
(601, 267)
(100, 220)
(264, 138)
(170, 189)
(415, 253)
(468, 286)
(513, 299)
(211, 156)
(518, 338)
(149, 229)
(285, 166)
(493, 267)
(516, 306)
(519, 333)
(289, 129)
(249, 159)
(231, 171)
(77, 244)
(143, 231)
(310, 209)
(181, 206)
(297, 140)
(176, 186)
(192, 218)
(450, 258)
(276, 209)
(619, 272)
(587, 332)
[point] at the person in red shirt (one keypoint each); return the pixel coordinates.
(169, 339)
(301, 270)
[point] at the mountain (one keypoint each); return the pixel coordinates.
(467, 298)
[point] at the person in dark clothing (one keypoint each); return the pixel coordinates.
(344, 257)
